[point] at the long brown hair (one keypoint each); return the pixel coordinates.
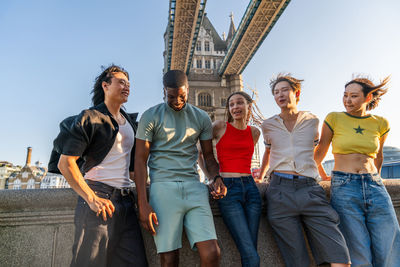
(368, 87)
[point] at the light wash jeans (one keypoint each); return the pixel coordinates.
(241, 211)
(367, 219)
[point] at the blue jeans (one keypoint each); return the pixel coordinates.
(241, 211)
(367, 219)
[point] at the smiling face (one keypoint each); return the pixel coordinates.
(284, 95)
(354, 100)
(238, 107)
(176, 97)
(118, 89)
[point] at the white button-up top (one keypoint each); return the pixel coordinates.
(292, 151)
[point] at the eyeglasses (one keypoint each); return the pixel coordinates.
(123, 82)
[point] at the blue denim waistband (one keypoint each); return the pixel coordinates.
(355, 175)
(290, 176)
(242, 178)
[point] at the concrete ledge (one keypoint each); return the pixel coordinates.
(36, 229)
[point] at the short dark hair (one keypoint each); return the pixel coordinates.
(368, 87)
(175, 79)
(105, 76)
(294, 83)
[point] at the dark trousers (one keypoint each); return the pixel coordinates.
(294, 203)
(115, 242)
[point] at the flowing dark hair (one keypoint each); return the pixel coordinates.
(368, 87)
(254, 117)
(294, 83)
(105, 76)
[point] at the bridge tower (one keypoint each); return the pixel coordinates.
(208, 90)
(214, 64)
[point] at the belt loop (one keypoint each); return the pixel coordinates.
(114, 192)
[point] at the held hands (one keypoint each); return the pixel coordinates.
(147, 217)
(217, 188)
(102, 206)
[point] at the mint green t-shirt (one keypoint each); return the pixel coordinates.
(173, 136)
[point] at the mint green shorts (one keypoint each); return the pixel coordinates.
(179, 204)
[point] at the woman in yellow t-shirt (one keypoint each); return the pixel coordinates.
(367, 217)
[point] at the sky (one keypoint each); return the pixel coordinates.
(52, 50)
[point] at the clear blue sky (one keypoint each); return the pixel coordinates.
(51, 51)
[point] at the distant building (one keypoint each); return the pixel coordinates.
(6, 169)
(29, 177)
(54, 180)
(390, 154)
(390, 166)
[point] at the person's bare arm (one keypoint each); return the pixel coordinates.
(379, 156)
(255, 134)
(218, 188)
(70, 170)
(265, 160)
(264, 165)
(146, 213)
(218, 128)
(201, 163)
(321, 150)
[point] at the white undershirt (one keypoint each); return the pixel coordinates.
(114, 169)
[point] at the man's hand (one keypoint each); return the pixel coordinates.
(102, 206)
(258, 180)
(147, 216)
(70, 170)
(218, 189)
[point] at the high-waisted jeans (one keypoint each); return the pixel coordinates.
(367, 219)
(241, 211)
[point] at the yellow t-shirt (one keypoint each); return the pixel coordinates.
(359, 135)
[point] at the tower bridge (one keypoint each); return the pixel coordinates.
(257, 22)
(184, 22)
(214, 64)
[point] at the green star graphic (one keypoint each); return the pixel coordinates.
(359, 130)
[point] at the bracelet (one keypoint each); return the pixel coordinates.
(218, 176)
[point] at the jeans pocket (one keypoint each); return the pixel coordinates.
(376, 178)
(379, 182)
(339, 181)
(318, 193)
(228, 184)
(102, 194)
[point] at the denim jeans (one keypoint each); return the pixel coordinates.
(367, 219)
(241, 211)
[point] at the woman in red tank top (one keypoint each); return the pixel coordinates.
(241, 207)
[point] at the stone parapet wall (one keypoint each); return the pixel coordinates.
(36, 229)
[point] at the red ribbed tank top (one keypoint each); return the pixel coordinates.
(235, 149)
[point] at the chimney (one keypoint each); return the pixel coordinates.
(28, 156)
